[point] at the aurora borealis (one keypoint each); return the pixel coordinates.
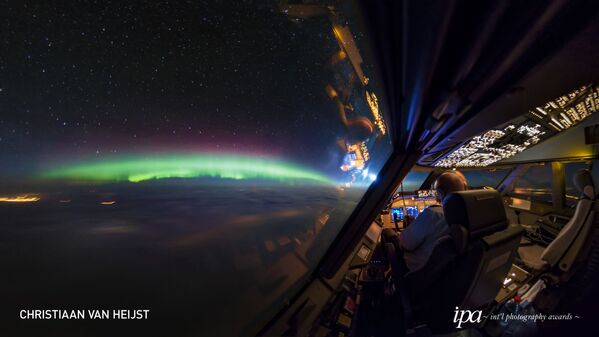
(141, 168)
(107, 83)
(181, 157)
(98, 88)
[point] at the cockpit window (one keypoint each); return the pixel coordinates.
(413, 181)
(484, 178)
(535, 184)
(185, 157)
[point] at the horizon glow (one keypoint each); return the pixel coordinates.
(20, 198)
(224, 166)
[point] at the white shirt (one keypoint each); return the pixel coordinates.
(418, 239)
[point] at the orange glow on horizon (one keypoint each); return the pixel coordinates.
(20, 198)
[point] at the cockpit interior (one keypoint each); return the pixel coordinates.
(519, 258)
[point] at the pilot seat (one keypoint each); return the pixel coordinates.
(561, 254)
(466, 268)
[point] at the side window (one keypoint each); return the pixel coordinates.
(570, 169)
(535, 184)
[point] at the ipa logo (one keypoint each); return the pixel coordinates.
(467, 316)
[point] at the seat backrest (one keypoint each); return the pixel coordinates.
(481, 233)
(467, 267)
(564, 249)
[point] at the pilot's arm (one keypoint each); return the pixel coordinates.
(415, 234)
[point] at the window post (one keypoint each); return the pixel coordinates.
(558, 185)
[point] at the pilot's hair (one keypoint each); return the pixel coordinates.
(449, 182)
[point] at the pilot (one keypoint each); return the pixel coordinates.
(417, 240)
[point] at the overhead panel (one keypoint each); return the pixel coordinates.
(537, 125)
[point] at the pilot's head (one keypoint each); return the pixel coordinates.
(449, 182)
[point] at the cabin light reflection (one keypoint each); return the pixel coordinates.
(112, 202)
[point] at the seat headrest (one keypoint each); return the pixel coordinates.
(474, 214)
(583, 180)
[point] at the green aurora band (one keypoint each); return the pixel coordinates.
(140, 168)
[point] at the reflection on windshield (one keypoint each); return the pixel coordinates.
(192, 159)
(485, 178)
(535, 184)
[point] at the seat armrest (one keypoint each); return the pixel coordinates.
(503, 236)
(536, 267)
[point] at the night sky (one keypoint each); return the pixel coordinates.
(97, 79)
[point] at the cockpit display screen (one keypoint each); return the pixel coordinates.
(412, 211)
(397, 214)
